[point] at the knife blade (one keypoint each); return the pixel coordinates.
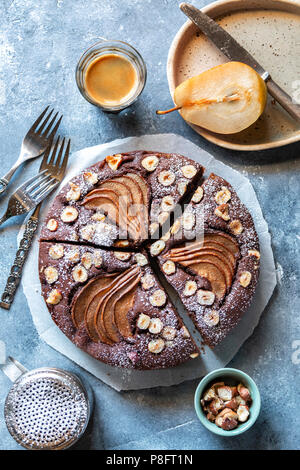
(235, 52)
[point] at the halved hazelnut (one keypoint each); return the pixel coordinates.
(87, 260)
(166, 236)
(236, 227)
(216, 405)
(190, 288)
(156, 345)
(122, 255)
(73, 255)
(153, 228)
(156, 325)
(52, 225)
(245, 278)
(198, 195)
(158, 298)
(209, 395)
(244, 392)
(169, 267)
(194, 355)
(243, 413)
(211, 318)
(166, 177)
(167, 203)
(222, 211)
(88, 231)
(74, 193)
(254, 253)
(168, 333)
(181, 187)
(143, 321)
(150, 163)
(188, 171)
(147, 281)
(205, 297)
(227, 419)
(163, 216)
(157, 247)
(185, 332)
(223, 196)
(98, 217)
(54, 297)
(97, 258)
(188, 221)
(79, 273)
(90, 177)
(56, 251)
(51, 274)
(175, 227)
(141, 259)
(225, 393)
(69, 214)
(114, 161)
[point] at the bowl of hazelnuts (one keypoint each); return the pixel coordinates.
(227, 402)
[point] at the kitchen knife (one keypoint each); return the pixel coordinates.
(235, 52)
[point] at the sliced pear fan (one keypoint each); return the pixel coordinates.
(225, 99)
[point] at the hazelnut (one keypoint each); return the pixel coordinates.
(158, 298)
(188, 221)
(122, 255)
(168, 333)
(74, 193)
(166, 177)
(114, 161)
(97, 258)
(156, 325)
(54, 297)
(222, 211)
(69, 214)
(157, 247)
(51, 274)
(211, 318)
(205, 297)
(223, 196)
(147, 281)
(167, 203)
(141, 259)
(86, 260)
(79, 273)
(169, 267)
(198, 195)
(181, 187)
(188, 171)
(156, 345)
(143, 321)
(254, 253)
(150, 163)
(56, 251)
(190, 288)
(90, 177)
(245, 278)
(236, 227)
(52, 225)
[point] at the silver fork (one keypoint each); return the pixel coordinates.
(29, 195)
(34, 143)
(54, 163)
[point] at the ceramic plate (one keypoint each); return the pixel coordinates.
(269, 30)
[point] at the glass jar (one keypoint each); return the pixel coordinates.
(119, 48)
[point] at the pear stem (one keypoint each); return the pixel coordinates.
(169, 110)
(233, 97)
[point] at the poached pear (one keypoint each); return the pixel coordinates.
(225, 99)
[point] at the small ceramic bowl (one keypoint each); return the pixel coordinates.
(232, 376)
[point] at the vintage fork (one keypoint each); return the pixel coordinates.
(55, 167)
(34, 143)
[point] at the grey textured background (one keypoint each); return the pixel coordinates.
(40, 43)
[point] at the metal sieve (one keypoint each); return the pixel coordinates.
(46, 408)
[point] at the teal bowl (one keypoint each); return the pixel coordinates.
(232, 375)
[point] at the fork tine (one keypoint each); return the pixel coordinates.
(65, 160)
(53, 132)
(36, 123)
(39, 131)
(46, 190)
(31, 180)
(57, 163)
(35, 186)
(50, 125)
(54, 150)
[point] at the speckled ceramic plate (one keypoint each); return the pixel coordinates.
(268, 29)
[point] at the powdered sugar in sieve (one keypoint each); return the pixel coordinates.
(47, 408)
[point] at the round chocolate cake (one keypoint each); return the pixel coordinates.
(110, 230)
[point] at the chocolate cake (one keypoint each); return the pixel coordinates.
(97, 258)
(212, 259)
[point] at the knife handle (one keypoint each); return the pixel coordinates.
(284, 99)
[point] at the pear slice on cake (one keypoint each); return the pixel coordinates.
(225, 99)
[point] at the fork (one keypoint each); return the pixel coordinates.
(34, 143)
(55, 164)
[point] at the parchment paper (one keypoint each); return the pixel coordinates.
(121, 379)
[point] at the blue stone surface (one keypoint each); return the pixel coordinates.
(40, 44)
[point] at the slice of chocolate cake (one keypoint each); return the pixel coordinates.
(124, 197)
(210, 256)
(111, 305)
